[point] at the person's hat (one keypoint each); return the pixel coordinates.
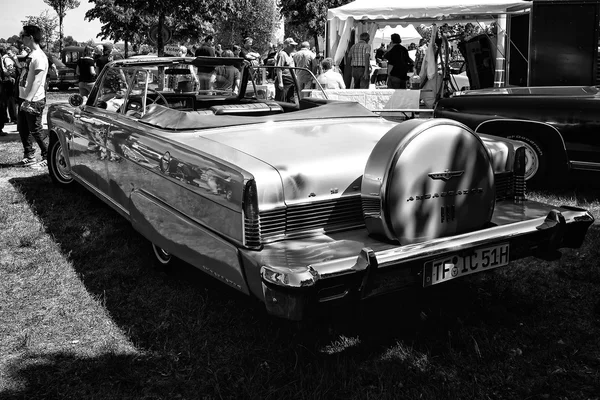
(289, 41)
(248, 39)
(107, 46)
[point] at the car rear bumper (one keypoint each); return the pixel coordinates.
(296, 275)
(68, 81)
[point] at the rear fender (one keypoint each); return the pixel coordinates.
(541, 132)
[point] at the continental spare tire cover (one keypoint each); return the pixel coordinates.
(427, 179)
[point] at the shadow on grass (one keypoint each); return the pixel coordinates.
(198, 338)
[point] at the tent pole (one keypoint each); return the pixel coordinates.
(499, 75)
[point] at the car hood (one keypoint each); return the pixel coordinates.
(319, 160)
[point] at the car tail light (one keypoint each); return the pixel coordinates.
(519, 175)
(250, 215)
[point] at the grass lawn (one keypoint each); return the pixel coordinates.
(84, 314)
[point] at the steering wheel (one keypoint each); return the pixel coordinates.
(150, 101)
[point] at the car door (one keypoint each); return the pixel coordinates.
(88, 153)
(130, 158)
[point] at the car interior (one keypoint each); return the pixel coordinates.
(186, 86)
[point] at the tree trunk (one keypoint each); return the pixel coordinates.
(159, 39)
(60, 27)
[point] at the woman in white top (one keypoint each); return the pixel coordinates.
(330, 79)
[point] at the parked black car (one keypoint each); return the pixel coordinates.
(65, 79)
(560, 125)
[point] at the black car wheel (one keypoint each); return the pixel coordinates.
(535, 159)
(57, 164)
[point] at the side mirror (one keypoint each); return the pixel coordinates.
(75, 100)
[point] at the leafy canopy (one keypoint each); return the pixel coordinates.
(308, 16)
(45, 22)
(257, 19)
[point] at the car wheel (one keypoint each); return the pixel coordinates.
(58, 168)
(535, 159)
(163, 257)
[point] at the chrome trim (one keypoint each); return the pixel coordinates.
(585, 165)
(524, 121)
(309, 275)
(343, 213)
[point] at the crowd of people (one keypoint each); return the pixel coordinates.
(24, 71)
(395, 55)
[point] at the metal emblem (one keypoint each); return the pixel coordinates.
(446, 175)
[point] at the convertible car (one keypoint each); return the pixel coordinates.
(298, 201)
(558, 125)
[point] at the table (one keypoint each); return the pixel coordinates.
(373, 99)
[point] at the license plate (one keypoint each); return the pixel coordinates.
(458, 265)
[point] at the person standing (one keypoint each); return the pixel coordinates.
(305, 58)
(399, 64)
(207, 49)
(4, 80)
(12, 65)
(330, 79)
(360, 59)
(284, 82)
(218, 50)
(86, 70)
(226, 77)
(32, 98)
(248, 53)
(379, 54)
(105, 58)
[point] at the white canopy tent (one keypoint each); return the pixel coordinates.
(371, 15)
(408, 35)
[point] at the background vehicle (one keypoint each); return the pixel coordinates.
(71, 54)
(64, 80)
(559, 125)
(299, 202)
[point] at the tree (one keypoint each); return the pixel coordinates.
(46, 23)
(127, 19)
(61, 7)
(67, 41)
(308, 16)
(257, 19)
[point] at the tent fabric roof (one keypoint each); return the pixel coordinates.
(402, 9)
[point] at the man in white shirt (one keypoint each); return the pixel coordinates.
(330, 79)
(32, 98)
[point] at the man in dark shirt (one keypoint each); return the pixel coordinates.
(105, 58)
(399, 64)
(207, 49)
(379, 54)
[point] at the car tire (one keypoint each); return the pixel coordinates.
(57, 164)
(536, 163)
